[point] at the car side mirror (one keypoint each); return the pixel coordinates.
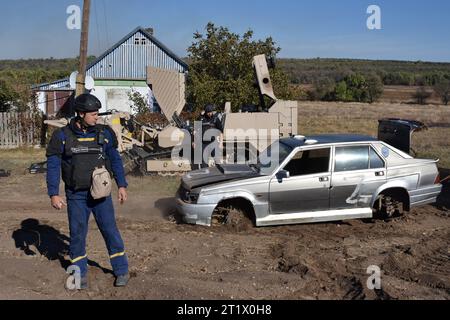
(283, 174)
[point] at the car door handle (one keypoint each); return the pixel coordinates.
(379, 174)
(324, 179)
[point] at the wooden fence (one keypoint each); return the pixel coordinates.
(14, 134)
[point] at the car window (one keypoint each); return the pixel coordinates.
(273, 156)
(351, 158)
(309, 162)
(375, 161)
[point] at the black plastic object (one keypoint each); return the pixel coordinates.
(249, 108)
(40, 167)
(4, 173)
(398, 132)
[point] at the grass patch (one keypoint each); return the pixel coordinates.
(165, 186)
(324, 117)
(19, 160)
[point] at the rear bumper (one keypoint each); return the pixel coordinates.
(195, 213)
(425, 195)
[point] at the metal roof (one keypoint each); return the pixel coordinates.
(62, 84)
(128, 59)
(327, 139)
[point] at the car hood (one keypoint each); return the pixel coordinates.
(219, 173)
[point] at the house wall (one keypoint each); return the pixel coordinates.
(113, 94)
(50, 102)
(41, 101)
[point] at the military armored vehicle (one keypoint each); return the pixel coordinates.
(245, 133)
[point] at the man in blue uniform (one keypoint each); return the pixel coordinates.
(74, 152)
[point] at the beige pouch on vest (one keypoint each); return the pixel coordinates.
(101, 183)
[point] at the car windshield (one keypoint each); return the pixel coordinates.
(272, 157)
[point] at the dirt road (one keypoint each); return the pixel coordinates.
(176, 261)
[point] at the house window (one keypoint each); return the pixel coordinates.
(140, 41)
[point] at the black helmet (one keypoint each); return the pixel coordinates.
(87, 103)
(209, 108)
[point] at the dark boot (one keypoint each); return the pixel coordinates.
(84, 283)
(122, 281)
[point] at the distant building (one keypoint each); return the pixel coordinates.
(116, 73)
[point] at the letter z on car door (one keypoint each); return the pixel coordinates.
(358, 172)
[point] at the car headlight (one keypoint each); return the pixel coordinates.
(188, 196)
(192, 197)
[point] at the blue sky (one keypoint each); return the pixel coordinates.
(411, 30)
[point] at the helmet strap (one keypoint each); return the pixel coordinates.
(83, 124)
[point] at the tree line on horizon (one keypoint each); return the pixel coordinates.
(220, 70)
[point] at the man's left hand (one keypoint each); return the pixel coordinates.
(123, 195)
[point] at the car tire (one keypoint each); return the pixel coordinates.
(387, 207)
(233, 219)
(237, 220)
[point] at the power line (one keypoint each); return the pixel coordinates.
(56, 99)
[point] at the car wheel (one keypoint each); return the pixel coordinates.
(387, 207)
(232, 218)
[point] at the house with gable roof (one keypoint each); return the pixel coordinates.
(119, 71)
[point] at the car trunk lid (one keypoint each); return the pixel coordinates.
(398, 132)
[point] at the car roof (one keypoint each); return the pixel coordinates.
(299, 141)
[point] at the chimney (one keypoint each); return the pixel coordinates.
(149, 30)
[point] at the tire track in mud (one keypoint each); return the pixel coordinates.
(428, 264)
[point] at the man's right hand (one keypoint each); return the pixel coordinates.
(57, 202)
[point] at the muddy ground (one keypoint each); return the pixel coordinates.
(169, 260)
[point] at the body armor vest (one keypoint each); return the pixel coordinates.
(81, 157)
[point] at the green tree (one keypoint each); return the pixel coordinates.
(421, 95)
(442, 89)
(341, 93)
(8, 97)
(359, 88)
(221, 68)
(375, 88)
(139, 103)
(324, 88)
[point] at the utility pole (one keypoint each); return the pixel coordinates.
(81, 77)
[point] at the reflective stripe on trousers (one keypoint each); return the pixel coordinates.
(79, 207)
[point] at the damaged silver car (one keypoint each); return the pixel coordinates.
(316, 179)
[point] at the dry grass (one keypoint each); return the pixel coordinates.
(18, 160)
(405, 94)
(324, 117)
(154, 185)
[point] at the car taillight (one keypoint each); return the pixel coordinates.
(438, 179)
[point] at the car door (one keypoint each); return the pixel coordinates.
(308, 185)
(358, 171)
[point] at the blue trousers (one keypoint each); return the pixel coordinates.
(79, 207)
